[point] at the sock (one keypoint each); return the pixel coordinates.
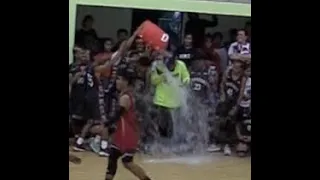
(80, 140)
(104, 144)
(97, 139)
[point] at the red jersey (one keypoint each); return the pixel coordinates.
(126, 136)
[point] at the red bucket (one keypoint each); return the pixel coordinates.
(154, 36)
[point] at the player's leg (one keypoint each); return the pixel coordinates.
(135, 169)
(114, 155)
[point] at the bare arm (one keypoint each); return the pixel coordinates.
(125, 102)
(242, 87)
(222, 84)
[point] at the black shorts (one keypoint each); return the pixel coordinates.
(223, 108)
(163, 119)
(243, 113)
(127, 156)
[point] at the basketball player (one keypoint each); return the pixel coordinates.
(243, 125)
(108, 70)
(228, 105)
(126, 136)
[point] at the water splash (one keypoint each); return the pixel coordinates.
(190, 135)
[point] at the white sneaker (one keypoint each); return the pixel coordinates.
(103, 154)
(227, 150)
(214, 148)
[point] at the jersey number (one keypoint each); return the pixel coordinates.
(196, 87)
(165, 37)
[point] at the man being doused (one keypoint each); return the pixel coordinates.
(167, 75)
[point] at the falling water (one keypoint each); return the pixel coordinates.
(190, 130)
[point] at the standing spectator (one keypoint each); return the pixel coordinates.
(86, 36)
(220, 50)
(197, 27)
(106, 54)
(241, 49)
(122, 34)
(186, 52)
(212, 55)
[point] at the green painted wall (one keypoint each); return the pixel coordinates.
(207, 7)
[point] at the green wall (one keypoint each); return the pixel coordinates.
(207, 7)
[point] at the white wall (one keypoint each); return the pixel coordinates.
(107, 20)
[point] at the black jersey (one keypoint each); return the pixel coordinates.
(200, 83)
(244, 119)
(95, 95)
(232, 87)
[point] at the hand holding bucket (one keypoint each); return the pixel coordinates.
(153, 35)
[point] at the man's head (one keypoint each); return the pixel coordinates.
(108, 44)
(125, 78)
(242, 36)
(81, 55)
(139, 44)
(193, 16)
(188, 39)
(122, 34)
(87, 22)
(237, 66)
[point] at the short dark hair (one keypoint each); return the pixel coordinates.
(86, 19)
(119, 31)
(127, 73)
(245, 32)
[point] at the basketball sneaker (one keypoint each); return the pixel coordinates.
(227, 150)
(214, 148)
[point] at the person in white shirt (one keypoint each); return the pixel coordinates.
(241, 49)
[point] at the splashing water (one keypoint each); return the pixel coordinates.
(190, 129)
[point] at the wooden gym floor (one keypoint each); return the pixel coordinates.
(209, 167)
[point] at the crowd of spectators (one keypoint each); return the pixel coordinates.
(214, 70)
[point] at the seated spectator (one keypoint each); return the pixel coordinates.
(186, 52)
(241, 49)
(86, 36)
(243, 125)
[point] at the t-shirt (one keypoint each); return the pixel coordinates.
(166, 94)
(186, 55)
